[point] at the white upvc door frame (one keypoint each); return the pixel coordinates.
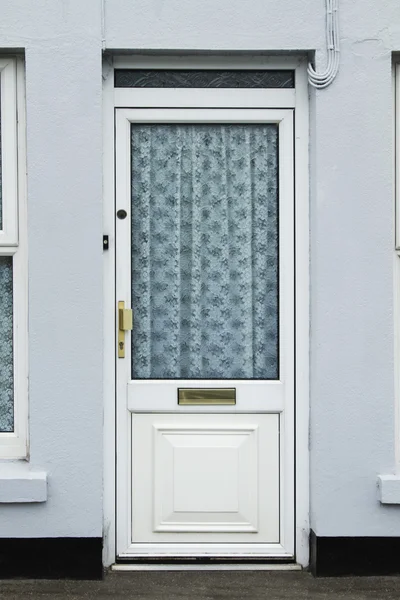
(286, 99)
(253, 396)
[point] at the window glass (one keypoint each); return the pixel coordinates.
(212, 78)
(205, 251)
(6, 346)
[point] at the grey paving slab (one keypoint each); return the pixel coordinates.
(205, 585)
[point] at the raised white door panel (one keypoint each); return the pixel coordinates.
(205, 474)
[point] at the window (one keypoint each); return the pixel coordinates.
(13, 271)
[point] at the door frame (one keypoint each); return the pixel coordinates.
(276, 98)
(253, 396)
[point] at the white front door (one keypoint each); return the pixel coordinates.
(205, 380)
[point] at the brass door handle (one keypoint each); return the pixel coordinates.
(125, 323)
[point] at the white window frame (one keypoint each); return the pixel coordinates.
(8, 95)
(396, 259)
(13, 241)
(296, 99)
(396, 74)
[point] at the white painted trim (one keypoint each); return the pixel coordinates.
(302, 280)
(248, 61)
(199, 115)
(220, 567)
(15, 445)
(302, 312)
(9, 151)
(396, 260)
(204, 98)
(216, 550)
(109, 304)
(396, 324)
(23, 488)
(389, 489)
(397, 153)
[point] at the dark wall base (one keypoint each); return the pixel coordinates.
(51, 558)
(340, 556)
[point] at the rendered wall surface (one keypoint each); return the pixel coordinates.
(62, 41)
(351, 149)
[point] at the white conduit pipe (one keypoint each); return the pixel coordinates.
(322, 80)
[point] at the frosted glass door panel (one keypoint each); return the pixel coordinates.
(205, 251)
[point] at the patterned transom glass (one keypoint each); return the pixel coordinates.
(212, 78)
(205, 251)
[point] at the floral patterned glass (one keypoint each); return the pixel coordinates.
(6, 345)
(205, 251)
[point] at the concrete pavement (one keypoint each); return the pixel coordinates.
(206, 585)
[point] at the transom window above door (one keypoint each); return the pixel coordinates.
(206, 78)
(202, 200)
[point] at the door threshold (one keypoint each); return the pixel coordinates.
(207, 567)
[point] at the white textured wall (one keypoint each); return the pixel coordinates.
(352, 378)
(62, 40)
(352, 401)
(214, 24)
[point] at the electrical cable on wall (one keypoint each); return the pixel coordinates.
(322, 80)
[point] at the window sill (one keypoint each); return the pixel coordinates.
(389, 489)
(20, 485)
